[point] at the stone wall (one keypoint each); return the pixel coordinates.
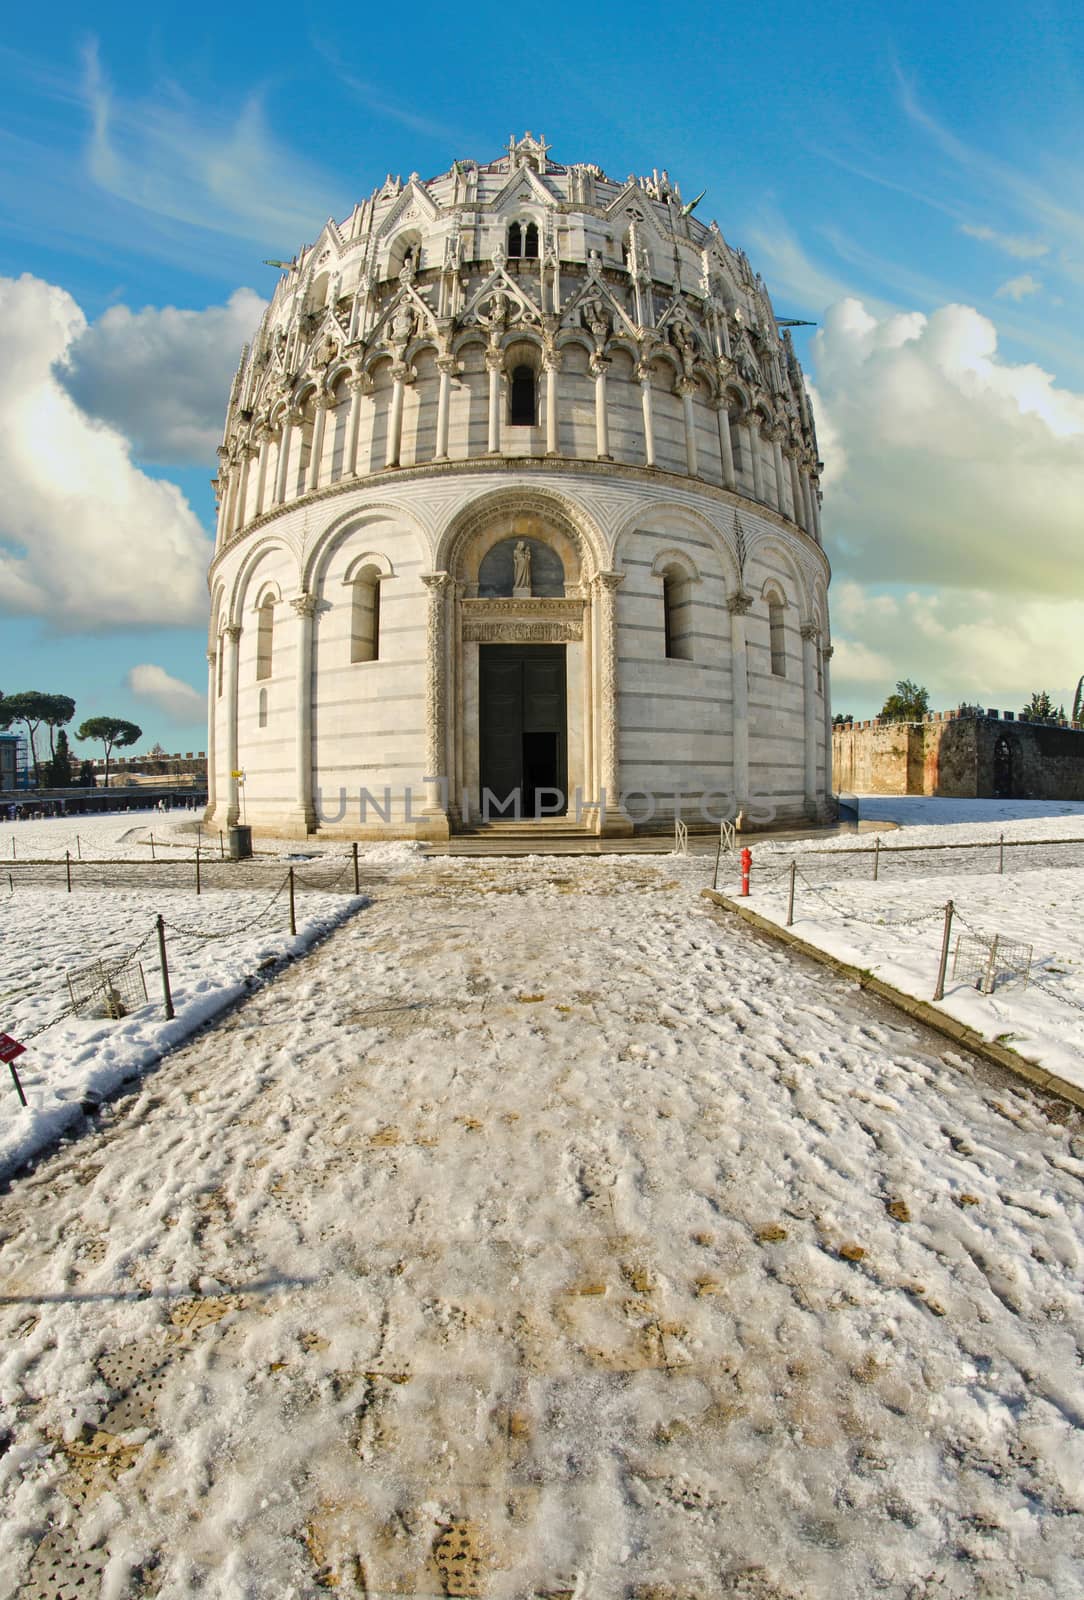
(958, 758)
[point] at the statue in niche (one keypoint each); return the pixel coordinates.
(596, 318)
(499, 308)
(521, 571)
(402, 324)
(327, 352)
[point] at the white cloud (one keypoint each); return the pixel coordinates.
(162, 375)
(178, 700)
(961, 644)
(1012, 244)
(1018, 288)
(956, 467)
(87, 541)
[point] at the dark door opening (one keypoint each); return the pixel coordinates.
(523, 732)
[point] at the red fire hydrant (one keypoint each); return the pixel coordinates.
(746, 868)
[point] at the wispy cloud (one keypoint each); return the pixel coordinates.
(1012, 244)
(191, 164)
(1018, 288)
(789, 270)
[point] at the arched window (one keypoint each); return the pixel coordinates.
(365, 616)
(777, 637)
(515, 239)
(262, 718)
(265, 637)
(522, 397)
(530, 241)
(677, 615)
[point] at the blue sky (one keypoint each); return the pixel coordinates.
(908, 177)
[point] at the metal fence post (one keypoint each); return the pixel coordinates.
(790, 894)
(354, 852)
(166, 992)
(78, 847)
(153, 856)
(1001, 853)
(876, 858)
(221, 845)
(293, 917)
(939, 992)
(68, 868)
(197, 867)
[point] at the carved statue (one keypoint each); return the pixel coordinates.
(521, 569)
(327, 352)
(499, 309)
(596, 317)
(402, 324)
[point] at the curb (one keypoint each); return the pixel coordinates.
(998, 1055)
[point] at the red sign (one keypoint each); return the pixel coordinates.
(10, 1048)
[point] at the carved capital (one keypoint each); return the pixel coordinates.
(809, 630)
(828, 652)
(610, 581)
(304, 604)
(494, 359)
(212, 657)
(739, 602)
(232, 631)
(448, 365)
(686, 386)
(436, 582)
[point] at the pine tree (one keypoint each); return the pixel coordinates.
(58, 770)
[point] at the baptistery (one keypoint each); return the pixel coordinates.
(518, 523)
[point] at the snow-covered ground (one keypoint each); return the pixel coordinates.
(133, 836)
(216, 947)
(546, 1232)
(894, 926)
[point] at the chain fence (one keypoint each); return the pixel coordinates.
(1002, 960)
(106, 970)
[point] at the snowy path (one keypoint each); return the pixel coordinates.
(543, 1233)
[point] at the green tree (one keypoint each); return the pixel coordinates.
(910, 703)
(1039, 706)
(112, 731)
(57, 709)
(58, 772)
(29, 707)
(87, 778)
(1078, 701)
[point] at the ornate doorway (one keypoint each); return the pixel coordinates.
(523, 730)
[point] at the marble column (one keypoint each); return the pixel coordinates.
(358, 387)
(319, 421)
(263, 433)
(726, 449)
(552, 368)
(796, 488)
(807, 503)
(395, 418)
(756, 439)
(436, 701)
(778, 434)
(599, 365)
(826, 698)
(738, 604)
(494, 364)
(815, 503)
(232, 637)
(686, 388)
(446, 366)
(608, 584)
(289, 418)
(810, 634)
(305, 606)
(239, 467)
(212, 719)
(222, 491)
(646, 401)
